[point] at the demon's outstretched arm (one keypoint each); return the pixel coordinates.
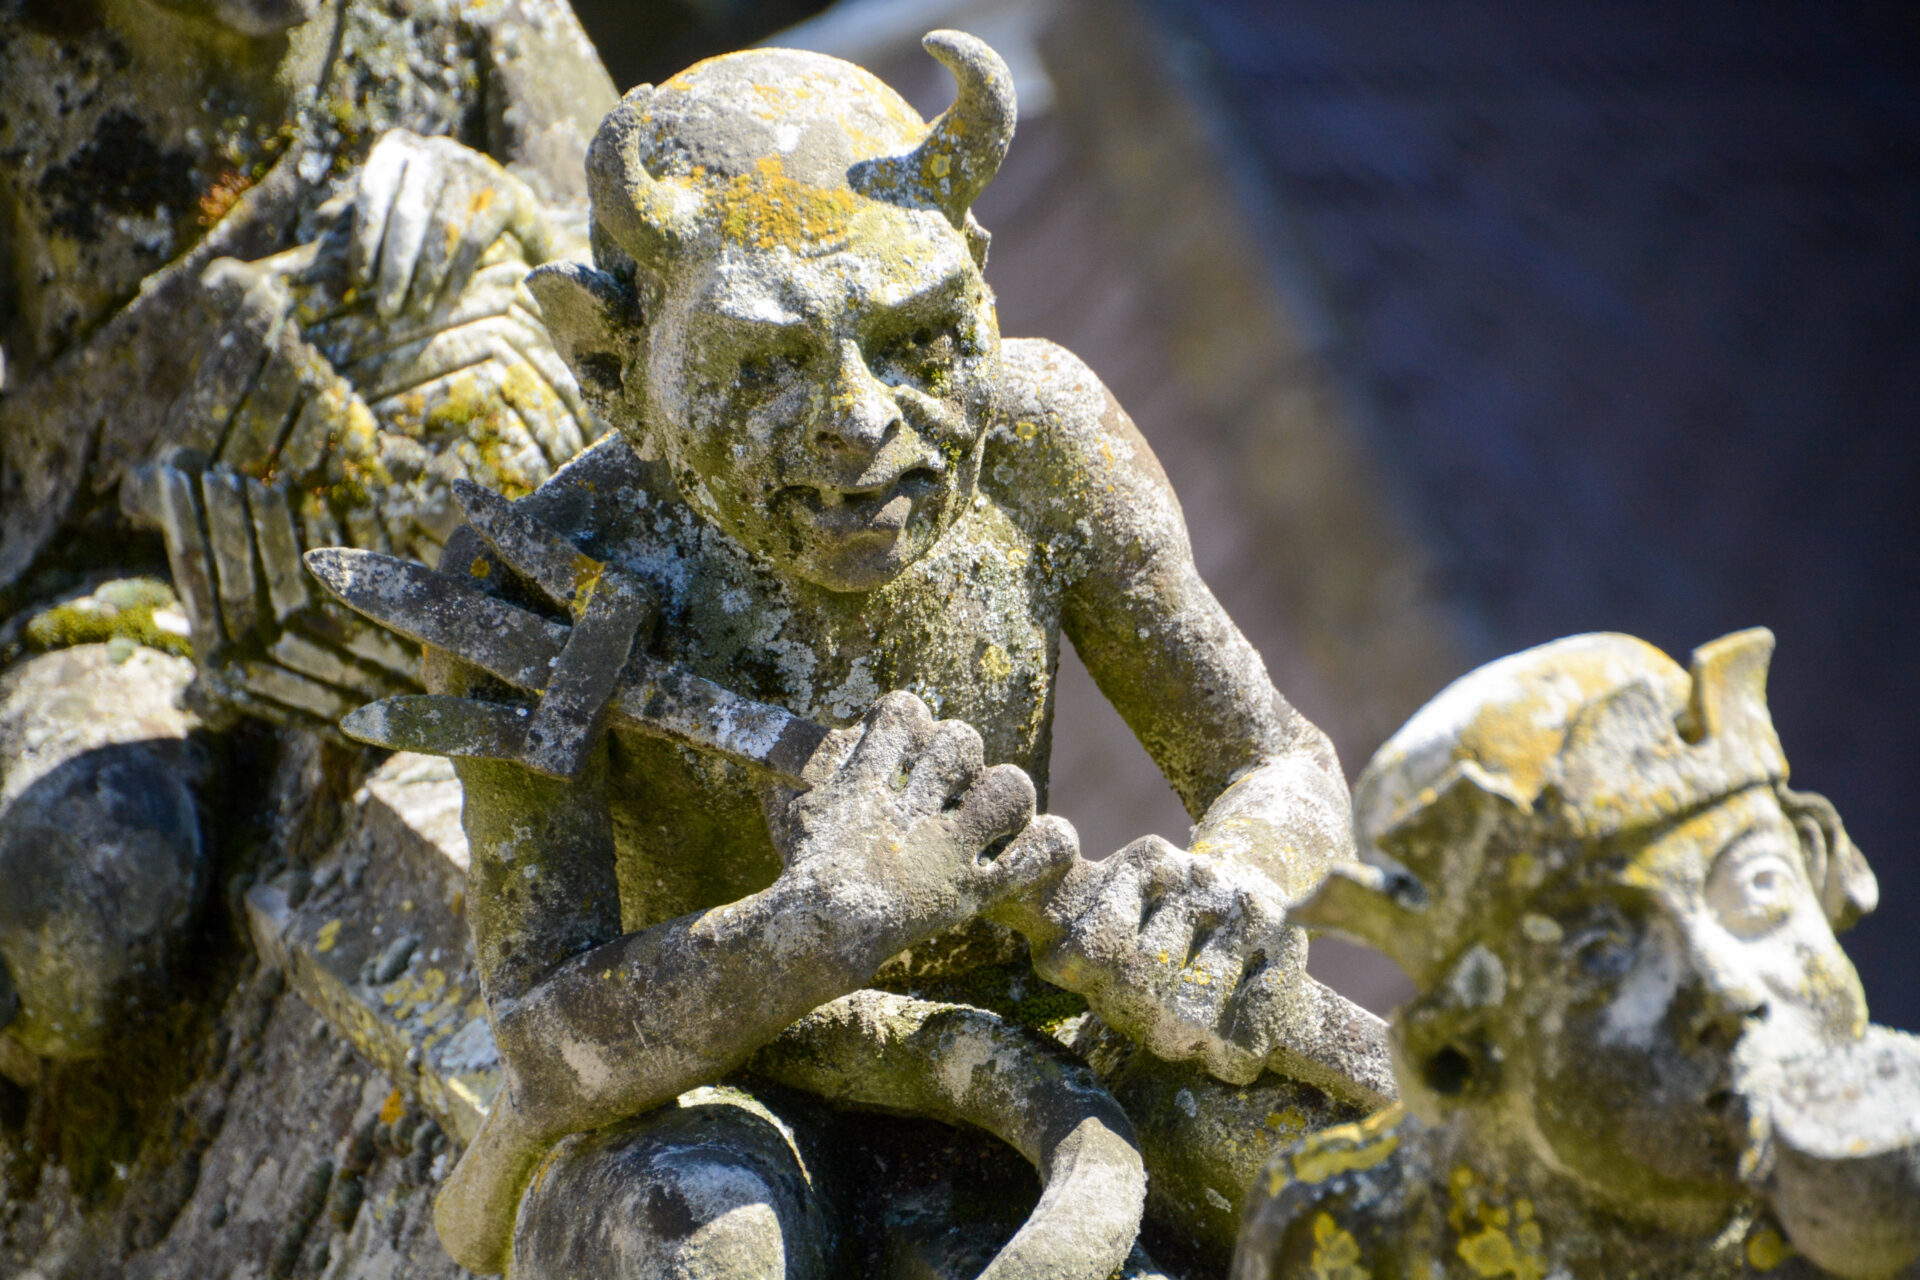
(1187, 951)
(886, 849)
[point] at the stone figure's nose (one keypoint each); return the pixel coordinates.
(1725, 997)
(860, 412)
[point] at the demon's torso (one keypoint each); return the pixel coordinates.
(973, 628)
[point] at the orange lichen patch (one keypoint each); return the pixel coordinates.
(766, 209)
(393, 1108)
(218, 200)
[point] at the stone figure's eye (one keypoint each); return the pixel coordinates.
(922, 355)
(1752, 887)
(1604, 949)
(764, 371)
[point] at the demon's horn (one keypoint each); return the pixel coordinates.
(962, 151)
(646, 217)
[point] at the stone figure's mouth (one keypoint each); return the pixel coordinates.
(881, 509)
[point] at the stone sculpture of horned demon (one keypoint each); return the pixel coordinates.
(844, 497)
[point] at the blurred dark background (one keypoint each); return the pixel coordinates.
(1465, 325)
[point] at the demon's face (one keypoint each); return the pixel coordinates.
(827, 409)
(1645, 991)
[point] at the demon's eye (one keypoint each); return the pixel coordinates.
(922, 356)
(1753, 886)
(764, 372)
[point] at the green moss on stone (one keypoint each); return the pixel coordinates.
(118, 611)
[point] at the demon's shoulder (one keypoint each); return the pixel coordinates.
(1045, 388)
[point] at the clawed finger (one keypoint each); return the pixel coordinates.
(1041, 853)
(376, 190)
(478, 214)
(891, 732)
(1000, 803)
(950, 761)
(472, 212)
(411, 218)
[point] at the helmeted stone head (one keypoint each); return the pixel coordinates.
(1589, 861)
(786, 303)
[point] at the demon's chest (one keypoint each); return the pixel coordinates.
(974, 630)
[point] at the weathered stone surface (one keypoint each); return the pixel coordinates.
(1622, 924)
(872, 1050)
(378, 943)
(1845, 1130)
(145, 142)
(1205, 1139)
(948, 508)
(186, 326)
(837, 465)
(101, 850)
(968, 1066)
(281, 1154)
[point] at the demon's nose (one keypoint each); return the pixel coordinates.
(860, 413)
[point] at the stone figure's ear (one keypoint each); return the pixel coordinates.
(1838, 870)
(592, 318)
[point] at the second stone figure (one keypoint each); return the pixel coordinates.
(1637, 1048)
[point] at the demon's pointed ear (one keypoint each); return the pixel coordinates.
(593, 319)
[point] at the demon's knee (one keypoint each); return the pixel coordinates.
(712, 1186)
(101, 852)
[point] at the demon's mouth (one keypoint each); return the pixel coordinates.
(879, 509)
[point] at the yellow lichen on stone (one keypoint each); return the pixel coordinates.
(1766, 1249)
(1489, 1252)
(1336, 1254)
(766, 209)
(328, 935)
(1348, 1147)
(1495, 1239)
(1292, 1120)
(141, 610)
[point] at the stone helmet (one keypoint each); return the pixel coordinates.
(1515, 771)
